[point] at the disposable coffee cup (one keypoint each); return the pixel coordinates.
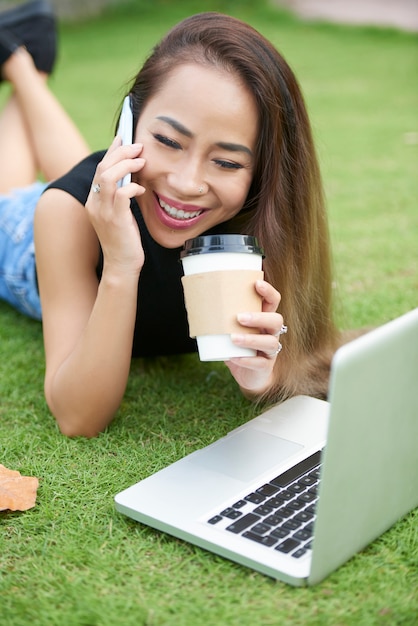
(220, 272)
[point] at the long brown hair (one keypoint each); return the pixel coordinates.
(285, 205)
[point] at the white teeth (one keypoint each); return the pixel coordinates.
(179, 214)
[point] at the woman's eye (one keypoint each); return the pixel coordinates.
(167, 142)
(228, 165)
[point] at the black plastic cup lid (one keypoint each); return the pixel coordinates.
(207, 244)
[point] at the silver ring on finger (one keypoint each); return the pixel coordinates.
(95, 188)
(282, 331)
(272, 355)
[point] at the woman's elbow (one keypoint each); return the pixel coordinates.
(70, 429)
(76, 425)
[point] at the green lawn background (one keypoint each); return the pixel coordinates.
(72, 560)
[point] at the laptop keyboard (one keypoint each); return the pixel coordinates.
(281, 513)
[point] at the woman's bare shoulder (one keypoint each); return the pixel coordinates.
(62, 222)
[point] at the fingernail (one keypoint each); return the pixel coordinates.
(244, 318)
(237, 338)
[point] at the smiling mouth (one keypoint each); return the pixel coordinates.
(178, 214)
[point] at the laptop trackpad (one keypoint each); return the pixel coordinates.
(245, 454)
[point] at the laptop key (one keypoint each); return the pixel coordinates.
(296, 505)
(286, 494)
(316, 473)
(296, 488)
(231, 513)
(273, 520)
(299, 553)
(265, 540)
(243, 522)
(304, 516)
(239, 504)
(280, 533)
(215, 519)
(302, 535)
(285, 512)
(263, 510)
(275, 502)
(255, 498)
(306, 497)
(298, 470)
(260, 529)
(308, 480)
(267, 490)
(291, 524)
(288, 545)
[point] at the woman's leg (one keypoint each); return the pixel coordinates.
(18, 167)
(40, 122)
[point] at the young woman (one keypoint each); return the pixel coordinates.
(222, 143)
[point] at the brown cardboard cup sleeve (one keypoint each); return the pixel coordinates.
(213, 300)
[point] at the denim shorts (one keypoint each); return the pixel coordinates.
(18, 284)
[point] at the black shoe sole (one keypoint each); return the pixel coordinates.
(25, 12)
(32, 25)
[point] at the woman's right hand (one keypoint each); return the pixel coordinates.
(109, 208)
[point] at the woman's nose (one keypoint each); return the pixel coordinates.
(188, 178)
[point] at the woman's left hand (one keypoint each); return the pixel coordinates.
(255, 374)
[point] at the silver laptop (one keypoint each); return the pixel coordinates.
(297, 491)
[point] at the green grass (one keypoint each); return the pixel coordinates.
(72, 560)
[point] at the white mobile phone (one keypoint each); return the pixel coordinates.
(125, 130)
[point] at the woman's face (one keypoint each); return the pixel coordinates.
(199, 135)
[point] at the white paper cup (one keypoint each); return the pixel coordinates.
(214, 301)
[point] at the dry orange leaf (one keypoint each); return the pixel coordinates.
(17, 492)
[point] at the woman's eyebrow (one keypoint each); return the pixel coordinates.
(232, 147)
(176, 125)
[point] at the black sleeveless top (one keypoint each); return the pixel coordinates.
(161, 326)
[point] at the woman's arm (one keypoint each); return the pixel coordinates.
(88, 326)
